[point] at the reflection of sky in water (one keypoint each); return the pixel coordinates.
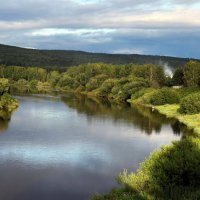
(73, 154)
(72, 150)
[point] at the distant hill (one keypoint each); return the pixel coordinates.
(10, 55)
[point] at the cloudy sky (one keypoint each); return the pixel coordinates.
(163, 27)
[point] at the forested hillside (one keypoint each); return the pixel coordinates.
(10, 55)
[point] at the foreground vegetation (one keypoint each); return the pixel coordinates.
(171, 173)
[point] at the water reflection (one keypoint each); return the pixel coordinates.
(144, 118)
(3, 125)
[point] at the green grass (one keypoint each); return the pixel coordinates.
(191, 121)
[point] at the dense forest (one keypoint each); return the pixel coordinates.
(61, 59)
(114, 82)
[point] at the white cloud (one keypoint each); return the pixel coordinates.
(129, 51)
(63, 31)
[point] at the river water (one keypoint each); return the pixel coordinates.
(72, 147)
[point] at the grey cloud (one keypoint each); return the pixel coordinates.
(150, 27)
(164, 42)
(12, 10)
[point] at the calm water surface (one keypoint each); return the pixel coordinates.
(70, 148)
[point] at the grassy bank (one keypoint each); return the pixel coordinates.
(191, 121)
(182, 104)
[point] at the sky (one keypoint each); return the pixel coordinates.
(158, 27)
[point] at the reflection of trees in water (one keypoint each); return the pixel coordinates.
(179, 128)
(4, 120)
(141, 117)
(3, 125)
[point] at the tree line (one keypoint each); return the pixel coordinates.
(103, 80)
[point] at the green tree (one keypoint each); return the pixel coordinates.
(53, 77)
(191, 73)
(4, 86)
(178, 77)
(106, 87)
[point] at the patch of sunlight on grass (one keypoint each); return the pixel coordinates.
(192, 121)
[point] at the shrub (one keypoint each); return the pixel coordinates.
(43, 86)
(174, 168)
(95, 82)
(190, 104)
(125, 87)
(4, 86)
(21, 85)
(106, 87)
(7, 103)
(164, 96)
(33, 85)
(66, 80)
(185, 91)
(143, 96)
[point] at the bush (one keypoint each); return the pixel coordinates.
(173, 170)
(172, 173)
(185, 91)
(120, 194)
(143, 96)
(190, 104)
(33, 85)
(95, 82)
(106, 87)
(7, 103)
(165, 96)
(66, 80)
(4, 86)
(125, 87)
(43, 86)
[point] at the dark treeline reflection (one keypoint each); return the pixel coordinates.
(144, 118)
(4, 120)
(3, 125)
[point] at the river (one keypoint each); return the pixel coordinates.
(72, 147)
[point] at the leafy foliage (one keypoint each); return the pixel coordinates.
(169, 173)
(176, 165)
(164, 96)
(4, 85)
(178, 77)
(7, 103)
(190, 104)
(191, 73)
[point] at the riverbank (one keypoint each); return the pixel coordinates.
(171, 111)
(192, 121)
